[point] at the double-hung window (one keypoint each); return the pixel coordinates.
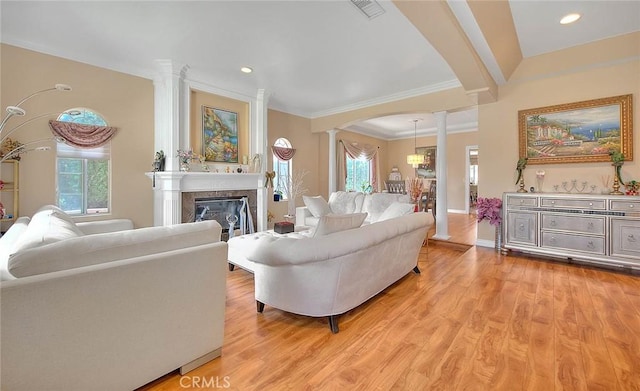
(83, 175)
(358, 174)
(282, 169)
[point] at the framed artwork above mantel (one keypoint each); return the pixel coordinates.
(577, 132)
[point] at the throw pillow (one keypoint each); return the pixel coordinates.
(48, 225)
(331, 223)
(396, 209)
(317, 205)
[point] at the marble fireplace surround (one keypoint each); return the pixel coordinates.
(189, 201)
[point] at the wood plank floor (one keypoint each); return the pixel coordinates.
(472, 320)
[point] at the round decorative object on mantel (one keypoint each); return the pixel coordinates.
(239, 169)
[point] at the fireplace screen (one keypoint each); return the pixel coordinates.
(224, 210)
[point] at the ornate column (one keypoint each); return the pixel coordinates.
(442, 224)
(171, 101)
(332, 160)
(260, 137)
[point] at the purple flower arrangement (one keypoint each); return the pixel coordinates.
(489, 209)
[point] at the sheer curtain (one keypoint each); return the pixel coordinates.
(357, 150)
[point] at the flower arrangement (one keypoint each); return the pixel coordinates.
(414, 189)
(489, 209)
(186, 156)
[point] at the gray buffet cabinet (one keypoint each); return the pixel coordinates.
(593, 228)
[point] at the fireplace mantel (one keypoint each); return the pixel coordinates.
(204, 181)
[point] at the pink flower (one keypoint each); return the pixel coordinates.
(489, 209)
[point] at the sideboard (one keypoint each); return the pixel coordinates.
(593, 228)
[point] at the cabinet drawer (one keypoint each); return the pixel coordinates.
(625, 237)
(584, 244)
(578, 224)
(521, 201)
(522, 228)
(625, 206)
(573, 203)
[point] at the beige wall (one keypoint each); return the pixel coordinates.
(298, 131)
(125, 101)
(550, 85)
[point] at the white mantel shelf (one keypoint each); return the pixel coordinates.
(204, 181)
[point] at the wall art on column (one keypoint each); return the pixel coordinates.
(428, 168)
(219, 135)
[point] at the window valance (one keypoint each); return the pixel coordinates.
(82, 136)
(283, 153)
(357, 150)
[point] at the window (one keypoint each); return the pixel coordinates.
(282, 169)
(83, 174)
(358, 175)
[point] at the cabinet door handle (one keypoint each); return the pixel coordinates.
(630, 206)
(552, 239)
(553, 223)
(631, 238)
(521, 227)
(590, 245)
(590, 203)
(590, 226)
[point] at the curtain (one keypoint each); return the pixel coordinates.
(283, 153)
(357, 150)
(80, 135)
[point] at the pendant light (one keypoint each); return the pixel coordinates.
(415, 159)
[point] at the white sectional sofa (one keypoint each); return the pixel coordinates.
(331, 273)
(102, 306)
(341, 202)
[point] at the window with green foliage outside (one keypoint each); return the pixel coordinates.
(358, 175)
(83, 175)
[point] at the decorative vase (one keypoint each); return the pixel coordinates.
(185, 166)
(291, 207)
(498, 240)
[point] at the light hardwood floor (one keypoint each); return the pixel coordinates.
(472, 320)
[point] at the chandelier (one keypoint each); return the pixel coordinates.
(415, 159)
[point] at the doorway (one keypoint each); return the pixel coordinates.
(471, 190)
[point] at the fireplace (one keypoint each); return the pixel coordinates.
(225, 210)
(216, 205)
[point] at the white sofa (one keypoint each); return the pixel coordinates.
(330, 274)
(342, 202)
(84, 310)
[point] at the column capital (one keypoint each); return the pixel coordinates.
(333, 132)
(169, 68)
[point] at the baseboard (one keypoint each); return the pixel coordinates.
(485, 243)
(188, 367)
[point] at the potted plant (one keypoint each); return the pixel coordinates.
(490, 209)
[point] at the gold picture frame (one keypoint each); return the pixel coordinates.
(577, 132)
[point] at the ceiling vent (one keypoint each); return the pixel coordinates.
(370, 8)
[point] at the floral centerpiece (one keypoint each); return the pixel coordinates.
(414, 189)
(185, 156)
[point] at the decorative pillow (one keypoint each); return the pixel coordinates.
(50, 224)
(331, 223)
(317, 205)
(396, 209)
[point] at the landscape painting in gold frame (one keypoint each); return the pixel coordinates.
(577, 132)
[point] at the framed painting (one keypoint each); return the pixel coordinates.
(219, 135)
(428, 169)
(577, 132)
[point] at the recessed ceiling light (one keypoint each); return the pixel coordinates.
(246, 69)
(569, 18)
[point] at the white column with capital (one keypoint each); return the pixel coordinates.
(442, 224)
(171, 101)
(260, 137)
(332, 160)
